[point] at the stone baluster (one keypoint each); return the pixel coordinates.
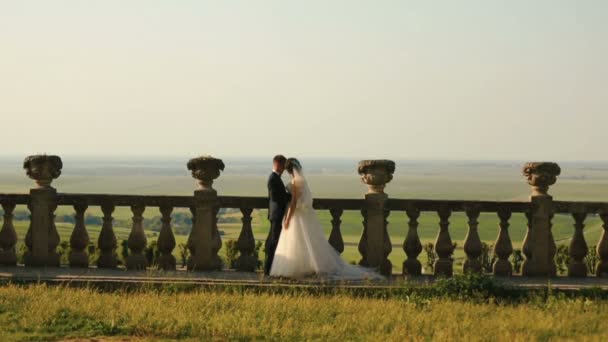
(166, 240)
(137, 240)
(189, 243)
(43, 237)
(335, 237)
(443, 246)
(54, 259)
(106, 242)
(376, 173)
(386, 267)
(601, 269)
(216, 242)
(79, 240)
(27, 255)
(578, 247)
(247, 260)
(552, 248)
(8, 236)
(540, 176)
(412, 245)
(362, 246)
(203, 238)
(526, 247)
(503, 246)
(472, 243)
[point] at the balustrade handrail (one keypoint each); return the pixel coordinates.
(261, 202)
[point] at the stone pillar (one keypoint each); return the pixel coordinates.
(539, 239)
(8, 236)
(43, 235)
(137, 240)
(202, 240)
(376, 173)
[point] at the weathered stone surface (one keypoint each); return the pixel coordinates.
(444, 246)
(216, 241)
(247, 261)
(601, 269)
(541, 175)
(204, 241)
(578, 248)
(137, 240)
(42, 237)
(375, 243)
(8, 236)
(166, 241)
(106, 242)
(375, 230)
(335, 236)
(362, 245)
(472, 243)
(412, 245)
(503, 246)
(79, 240)
(386, 267)
(205, 169)
(539, 246)
(376, 173)
(43, 168)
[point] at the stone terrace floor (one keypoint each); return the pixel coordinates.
(77, 276)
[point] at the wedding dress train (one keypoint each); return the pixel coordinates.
(303, 250)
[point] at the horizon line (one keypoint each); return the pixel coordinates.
(259, 157)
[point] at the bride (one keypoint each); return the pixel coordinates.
(302, 249)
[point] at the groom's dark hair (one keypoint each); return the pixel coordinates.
(279, 158)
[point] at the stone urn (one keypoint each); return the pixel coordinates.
(43, 169)
(205, 169)
(541, 175)
(376, 173)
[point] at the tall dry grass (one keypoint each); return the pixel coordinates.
(47, 313)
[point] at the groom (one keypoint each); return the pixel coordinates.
(278, 199)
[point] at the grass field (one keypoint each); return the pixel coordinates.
(41, 313)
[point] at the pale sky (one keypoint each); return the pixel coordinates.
(359, 79)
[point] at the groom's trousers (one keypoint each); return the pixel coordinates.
(271, 243)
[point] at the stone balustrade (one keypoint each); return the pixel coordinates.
(375, 247)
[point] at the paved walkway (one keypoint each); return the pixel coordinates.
(121, 276)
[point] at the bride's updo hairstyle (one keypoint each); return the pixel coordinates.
(293, 164)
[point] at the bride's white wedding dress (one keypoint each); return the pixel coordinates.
(303, 250)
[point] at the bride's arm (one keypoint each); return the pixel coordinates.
(292, 204)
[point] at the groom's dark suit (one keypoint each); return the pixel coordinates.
(278, 199)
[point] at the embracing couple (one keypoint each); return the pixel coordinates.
(296, 246)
